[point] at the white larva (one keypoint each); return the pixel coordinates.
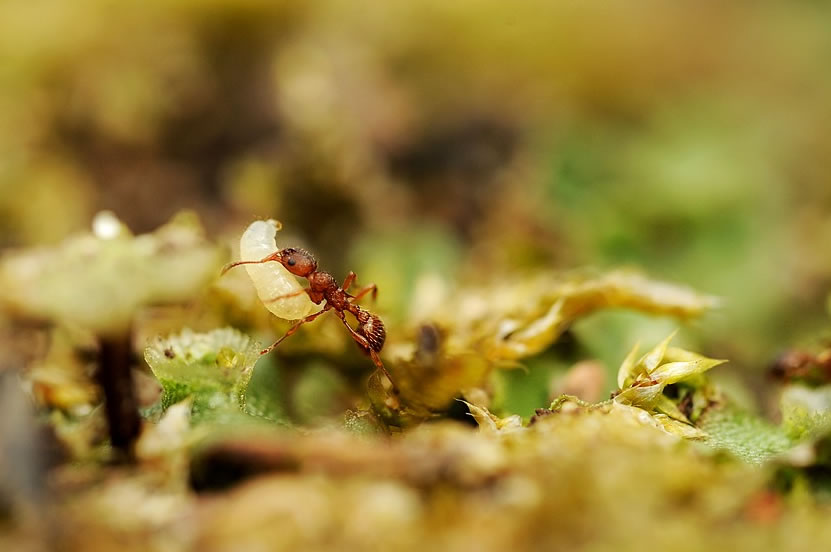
(272, 279)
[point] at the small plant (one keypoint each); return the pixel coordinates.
(212, 369)
(98, 282)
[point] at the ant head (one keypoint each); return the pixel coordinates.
(297, 261)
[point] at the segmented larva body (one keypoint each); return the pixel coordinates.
(272, 279)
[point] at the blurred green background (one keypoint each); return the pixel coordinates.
(466, 140)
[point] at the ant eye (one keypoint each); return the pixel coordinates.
(292, 262)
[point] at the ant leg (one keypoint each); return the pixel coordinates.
(348, 280)
(380, 365)
(286, 296)
(370, 288)
(294, 329)
(364, 344)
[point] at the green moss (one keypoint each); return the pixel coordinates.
(743, 434)
(265, 395)
(213, 369)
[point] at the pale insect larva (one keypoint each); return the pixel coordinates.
(272, 279)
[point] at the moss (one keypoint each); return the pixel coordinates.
(212, 369)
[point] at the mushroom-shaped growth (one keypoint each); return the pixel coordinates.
(97, 281)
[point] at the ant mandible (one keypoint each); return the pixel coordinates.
(370, 333)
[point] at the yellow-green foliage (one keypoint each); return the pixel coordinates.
(99, 280)
(465, 156)
(213, 369)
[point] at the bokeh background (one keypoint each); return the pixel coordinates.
(463, 140)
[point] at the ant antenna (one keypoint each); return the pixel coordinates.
(228, 267)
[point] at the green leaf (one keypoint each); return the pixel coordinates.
(643, 396)
(676, 354)
(743, 434)
(666, 406)
(263, 398)
(625, 374)
(673, 372)
(213, 368)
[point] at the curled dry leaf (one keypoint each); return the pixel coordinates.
(511, 321)
(488, 327)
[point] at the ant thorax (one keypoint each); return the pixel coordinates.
(322, 281)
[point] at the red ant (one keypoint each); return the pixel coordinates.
(369, 335)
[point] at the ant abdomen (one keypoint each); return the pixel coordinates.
(371, 327)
